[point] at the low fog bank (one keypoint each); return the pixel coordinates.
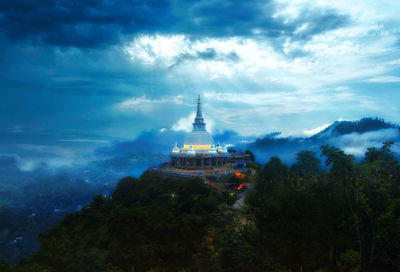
(354, 143)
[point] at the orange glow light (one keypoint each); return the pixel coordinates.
(240, 175)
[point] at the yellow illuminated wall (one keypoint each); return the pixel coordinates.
(198, 147)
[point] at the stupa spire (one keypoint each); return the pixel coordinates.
(199, 113)
(199, 120)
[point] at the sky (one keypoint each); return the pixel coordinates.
(91, 72)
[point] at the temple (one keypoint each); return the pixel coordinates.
(199, 156)
(199, 150)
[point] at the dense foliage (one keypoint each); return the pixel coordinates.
(298, 218)
(148, 224)
(347, 219)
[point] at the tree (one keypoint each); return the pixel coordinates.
(4, 265)
(372, 194)
(342, 164)
(274, 169)
(380, 203)
(307, 163)
(301, 220)
(149, 223)
(240, 249)
(252, 157)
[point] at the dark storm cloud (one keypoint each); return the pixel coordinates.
(235, 18)
(80, 23)
(90, 23)
(245, 18)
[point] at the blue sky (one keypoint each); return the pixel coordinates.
(91, 72)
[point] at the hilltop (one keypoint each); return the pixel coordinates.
(339, 128)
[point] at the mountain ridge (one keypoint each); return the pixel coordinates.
(363, 125)
(353, 137)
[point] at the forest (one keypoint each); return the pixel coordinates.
(323, 213)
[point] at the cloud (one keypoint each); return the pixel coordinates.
(88, 24)
(186, 123)
(222, 18)
(80, 140)
(82, 24)
(303, 74)
(281, 102)
(384, 79)
(16, 165)
(147, 143)
(357, 143)
(47, 149)
(145, 104)
(336, 57)
(266, 65)
(207, 55)
(9, 161)
(172, 50)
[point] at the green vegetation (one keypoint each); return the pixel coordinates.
(347, 219)
(298, 218)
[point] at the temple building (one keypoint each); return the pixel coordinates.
(199, 150)
(199, 156)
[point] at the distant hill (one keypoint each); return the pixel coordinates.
(347, 127)
(353, 137)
